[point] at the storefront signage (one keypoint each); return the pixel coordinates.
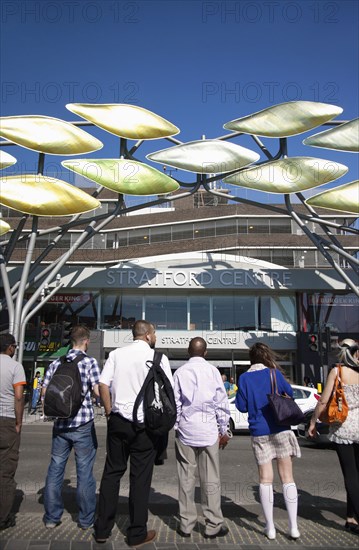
(183, 278)
(180, 339)
(333, 300)
(71, 298)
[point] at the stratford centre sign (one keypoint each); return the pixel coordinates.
(199, 278)
(225, 340)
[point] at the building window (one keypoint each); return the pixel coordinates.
(205, 229)
(339, 312)
(160, 234)
(138, 236)
(169, 312)
(258, 225)
(283, 313)
(234, 313)
(121, 310)
(280, 225)
(182, 232)
(199, 313)
(264, 313)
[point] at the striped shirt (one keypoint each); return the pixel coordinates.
(90, 374)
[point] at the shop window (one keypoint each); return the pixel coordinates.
(337, 311)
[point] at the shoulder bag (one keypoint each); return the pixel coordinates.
(285, 410)
(336, 410)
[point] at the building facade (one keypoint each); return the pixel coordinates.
(231, 273)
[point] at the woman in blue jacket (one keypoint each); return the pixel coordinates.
(269, 440)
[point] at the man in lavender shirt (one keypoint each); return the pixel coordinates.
(201, 430)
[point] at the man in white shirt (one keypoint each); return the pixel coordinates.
(120, 382)
(201, 429)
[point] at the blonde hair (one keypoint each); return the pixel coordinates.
(346, 353)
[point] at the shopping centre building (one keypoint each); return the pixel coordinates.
(234, 274)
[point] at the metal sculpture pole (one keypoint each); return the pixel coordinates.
(235, 165)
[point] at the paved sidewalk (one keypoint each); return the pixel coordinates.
(319, 528)
(244, 533)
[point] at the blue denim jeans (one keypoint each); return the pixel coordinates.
(35, 398)
(83, 440)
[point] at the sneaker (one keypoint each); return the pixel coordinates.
(51, 525)
(84, 527)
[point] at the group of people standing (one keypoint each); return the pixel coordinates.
(201, 430)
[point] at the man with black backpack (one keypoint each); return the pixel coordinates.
(128, 372)
(67, 389)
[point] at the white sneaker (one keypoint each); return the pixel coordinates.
(42, 417)
(270, 533)
(294, 533)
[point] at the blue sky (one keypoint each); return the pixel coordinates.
(197, 63)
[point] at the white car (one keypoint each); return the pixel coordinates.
(306, 398)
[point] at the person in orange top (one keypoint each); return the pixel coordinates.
(13, 381)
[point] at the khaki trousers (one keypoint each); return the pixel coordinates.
(206, 459)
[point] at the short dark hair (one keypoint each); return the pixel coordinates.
(79, 333)
(6, 340)
(197, 347)
(141, 327)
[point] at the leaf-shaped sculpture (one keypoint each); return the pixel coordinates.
(285, 119)
(127, 121)
(290, 175)
(342, 138)
(210, 156)
(43, 196)
(344, 198)
(48, 135)
(123, 176)
(6, 159)
(4, 227)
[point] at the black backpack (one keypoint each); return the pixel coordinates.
(63, 396)
(158, 400)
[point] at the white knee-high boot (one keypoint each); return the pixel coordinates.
(290, 495)
(266, 498)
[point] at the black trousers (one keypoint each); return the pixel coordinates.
(349, 462)
(124, 442)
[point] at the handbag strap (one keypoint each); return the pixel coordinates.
(273, 378)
